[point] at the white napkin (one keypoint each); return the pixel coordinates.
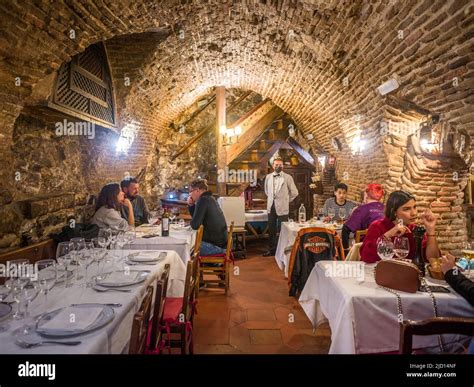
(73, 319)
(147, 256)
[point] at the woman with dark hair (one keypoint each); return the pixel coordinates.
(399, 220)
(107, 214)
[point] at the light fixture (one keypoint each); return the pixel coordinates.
(389, 86)
(336, 143)
(230, 135)
(322, 161)
(426, 133)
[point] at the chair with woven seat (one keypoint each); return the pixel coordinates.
(155, 341)
(141, 321)
(179, 314)
(433, 326)
(217, 265)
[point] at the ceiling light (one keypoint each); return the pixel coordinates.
(389, 86)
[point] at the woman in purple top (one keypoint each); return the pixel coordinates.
(364, 215)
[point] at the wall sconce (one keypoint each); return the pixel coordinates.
(336, 143)
(230, 135)
(322, 161)
(426, 134)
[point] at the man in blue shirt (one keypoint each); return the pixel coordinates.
(140, 210)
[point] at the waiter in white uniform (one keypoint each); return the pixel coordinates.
(280, 190)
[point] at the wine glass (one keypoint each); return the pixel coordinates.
(153, 217)
(342, 214)
(385, 248)
(331, 213)
(47, 277)
(401, 247)
(100, 253)
(64, 257)
(5, 291)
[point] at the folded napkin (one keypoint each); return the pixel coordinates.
(178, 227)
(73, 318)
(147, 256)
(119, 277)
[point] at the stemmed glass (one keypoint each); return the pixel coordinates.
(85, 259)
(47, 277)
(401, 247)
(173, 214)
(5, 291)
(79, 247)
(385, 248)
(342, 214)
(121, 242)
(64, 257)
(331, 213)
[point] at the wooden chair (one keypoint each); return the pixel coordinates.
(156, 336)
(354, 252)
(433, 326)
(179, 314)
(140, 325)
(240, 245)
(359, 235)
(217, 265)
(41, 250)
(195, 257)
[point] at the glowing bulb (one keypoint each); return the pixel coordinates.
(238, 131)
(223, 130)
(230, 132)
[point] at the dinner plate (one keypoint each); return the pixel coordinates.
(136, 277)
(153, 258)
(106, 316)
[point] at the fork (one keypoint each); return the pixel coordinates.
(25, 344)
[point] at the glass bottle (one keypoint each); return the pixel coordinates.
(165, 223)
(418, 259)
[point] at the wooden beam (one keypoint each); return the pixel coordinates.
(209, 127)
(200, 110)
(220, 147)
(252, 134)
(301, 152)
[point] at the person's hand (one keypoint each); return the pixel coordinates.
(190, 201)
(398, 230)
(447, 262)
(429, 220)
(127, 202)
(326, 219)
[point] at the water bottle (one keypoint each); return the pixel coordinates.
(302, 214)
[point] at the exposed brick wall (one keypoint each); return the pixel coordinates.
(319, 61)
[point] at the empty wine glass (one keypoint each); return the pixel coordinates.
(47, 277)
(5, 291)
(331, 213)
(401, 247)
(342, 214)
(385, 248)
(64, 257)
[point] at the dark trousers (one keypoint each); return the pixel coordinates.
(274, 224)
(345, 234)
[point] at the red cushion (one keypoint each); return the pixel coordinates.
(173, 307)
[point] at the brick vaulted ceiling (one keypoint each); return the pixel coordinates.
(319, 60)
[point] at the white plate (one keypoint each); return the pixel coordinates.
(105, 317)
(141, 257)
(134, 277)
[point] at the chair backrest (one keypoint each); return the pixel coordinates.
(189, 291)
(312, 244)
(233, 209)
(359, 234)
(41, 250)
(197, 243)
(433, 326)
(229, 240)
(141, 321)
(354, 252)
(159, 306)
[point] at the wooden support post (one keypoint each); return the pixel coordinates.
(220, 148)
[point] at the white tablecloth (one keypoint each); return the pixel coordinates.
(256, 216)
(179, 240)
(287, 237)
(114, 338)
(363, 316)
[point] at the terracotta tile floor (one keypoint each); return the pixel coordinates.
(257, 316)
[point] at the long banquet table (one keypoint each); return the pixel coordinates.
(362, 316)
(180, 239)
(113, 338)
(287, 237)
